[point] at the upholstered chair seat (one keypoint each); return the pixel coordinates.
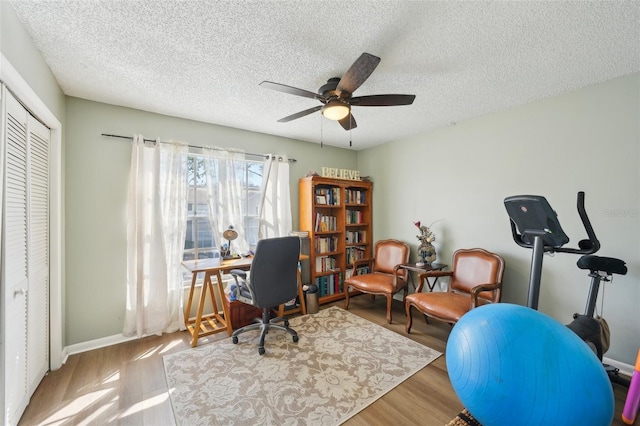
(448, 307)
(476, 279)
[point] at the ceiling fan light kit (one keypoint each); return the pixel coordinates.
(336, 94)
(336, 110)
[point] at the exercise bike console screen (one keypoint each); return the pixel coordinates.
(533, 216)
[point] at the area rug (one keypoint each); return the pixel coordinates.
(341, 364)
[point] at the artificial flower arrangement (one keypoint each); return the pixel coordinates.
(426, 250)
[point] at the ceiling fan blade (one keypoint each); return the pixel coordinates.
(382, 100)
(290, 90)
(348, 122)
(358, 73)
(300, 114)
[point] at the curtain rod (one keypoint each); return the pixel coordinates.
(291, 160)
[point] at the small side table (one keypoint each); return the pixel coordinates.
(424, 268)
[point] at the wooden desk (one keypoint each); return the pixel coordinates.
(425, 268)
(205, 325)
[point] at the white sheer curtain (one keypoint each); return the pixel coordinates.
(156, 226)
(275, 201)
(225, 176)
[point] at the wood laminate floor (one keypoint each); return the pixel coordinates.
(125, 384)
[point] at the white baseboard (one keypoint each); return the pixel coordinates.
(97, 344)
(626, 369)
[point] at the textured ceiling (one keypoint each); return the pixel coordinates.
(204, 60)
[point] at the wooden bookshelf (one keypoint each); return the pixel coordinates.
(337, 215)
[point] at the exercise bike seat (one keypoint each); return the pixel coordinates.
(609, 265)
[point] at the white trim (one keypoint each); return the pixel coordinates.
(98, 343)
(626, 369)
(21, 89)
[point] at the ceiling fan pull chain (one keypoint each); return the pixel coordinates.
(321, 132)
(350, 127)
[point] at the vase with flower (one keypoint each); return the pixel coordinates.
(426, 250)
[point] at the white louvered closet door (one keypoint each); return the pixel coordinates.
(25, 256)
(38, 252)
(14, 260)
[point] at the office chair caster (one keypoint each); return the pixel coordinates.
(261, 351)
(295, 339)
(235, 340)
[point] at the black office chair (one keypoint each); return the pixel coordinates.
(272, 281)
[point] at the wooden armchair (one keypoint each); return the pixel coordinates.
(476, 279)
(385, 276)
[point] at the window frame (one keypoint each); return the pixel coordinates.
(196, 185)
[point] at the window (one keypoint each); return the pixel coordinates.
(200, 241)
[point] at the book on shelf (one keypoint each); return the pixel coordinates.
(354, 217)
(356, 237)
(325, 263)
(348, 273)
(329, 285)
(361, 270)
(325, 244)
(355, 196)
(330, 196)
(325, 223)
(354, 254)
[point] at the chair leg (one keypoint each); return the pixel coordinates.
(255, 326)
(407, 308)
(346, 299)
(274, 324)
(389, 302)
(264, 327)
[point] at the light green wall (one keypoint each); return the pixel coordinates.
(96, 177)
(16, 45)
(587, 140)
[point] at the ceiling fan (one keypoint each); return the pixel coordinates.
(336, 96)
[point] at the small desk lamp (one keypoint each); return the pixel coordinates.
(230, 234)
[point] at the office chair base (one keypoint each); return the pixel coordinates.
(264, 329)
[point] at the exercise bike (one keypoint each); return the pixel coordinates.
(535, 225)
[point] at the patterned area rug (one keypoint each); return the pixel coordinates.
(341, 364)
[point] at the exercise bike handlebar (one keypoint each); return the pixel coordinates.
(588, 246)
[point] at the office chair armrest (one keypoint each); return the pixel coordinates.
(244, 289)
(475, 291)
(430, 274)
(238, 273)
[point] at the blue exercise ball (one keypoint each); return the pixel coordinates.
(510, 364)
